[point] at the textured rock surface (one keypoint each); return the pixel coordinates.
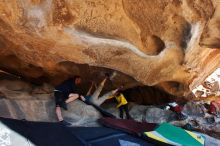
(155, 42)
(78, 114)
(210, 36)
(17, 89)
(23, 100)
(194, 109)
(36, 110)
(157, 115)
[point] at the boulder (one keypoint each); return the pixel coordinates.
(194, 109)
(157, 115)
(19, 89)
(33, 110)
(78, 113)
(138, 112)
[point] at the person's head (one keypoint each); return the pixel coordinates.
(77, 79)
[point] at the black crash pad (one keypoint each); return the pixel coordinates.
(26, 133)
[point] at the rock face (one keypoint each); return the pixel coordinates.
(22, 100)
(210, 87)
(161, 42)
(210, 36)
(78, 114)
(156, 115)
(34, 110)
(194, 109)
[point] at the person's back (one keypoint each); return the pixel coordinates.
(67, 87)
(121, 100)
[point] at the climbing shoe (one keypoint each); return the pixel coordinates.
(65, 123)
(110, 76)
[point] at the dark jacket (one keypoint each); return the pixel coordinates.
(67, 87)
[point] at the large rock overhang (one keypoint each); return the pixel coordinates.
(158, 43)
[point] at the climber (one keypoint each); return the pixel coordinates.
(65, 93)
(94, 98)
(122, 104)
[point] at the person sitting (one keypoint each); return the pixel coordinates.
(65, 93)
(122, 104)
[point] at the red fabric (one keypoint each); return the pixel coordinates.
(212, 109)
(213, 106)
(129, 126)
(177, 109)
